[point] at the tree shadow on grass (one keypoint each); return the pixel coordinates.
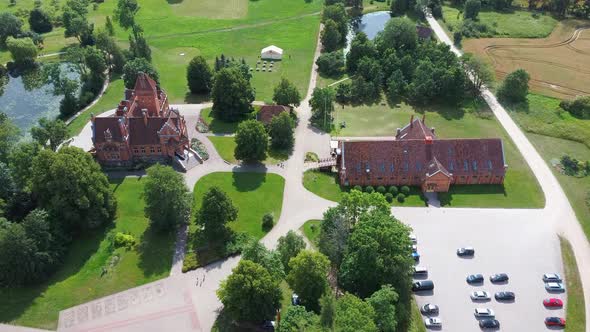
(155, 251)
(446, 199)
(17, 300)
(248, 181)
(191, 98)
(279, 154)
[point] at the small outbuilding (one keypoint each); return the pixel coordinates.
(272, 52)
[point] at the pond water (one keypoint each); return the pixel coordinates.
(371, 24)
(26, 98)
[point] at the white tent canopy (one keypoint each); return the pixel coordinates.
(271, 52)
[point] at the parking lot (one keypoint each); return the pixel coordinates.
(505, 241)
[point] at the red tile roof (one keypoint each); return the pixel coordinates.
(102, 124)
(267, 112)
(416, 129)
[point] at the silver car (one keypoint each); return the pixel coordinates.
(484, 312)
(433, 322)
(554, 287)
(551, 277)
(480, 296)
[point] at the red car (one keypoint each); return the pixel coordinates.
(555, 321)
(553, 302)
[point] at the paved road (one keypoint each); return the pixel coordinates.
(558, 209)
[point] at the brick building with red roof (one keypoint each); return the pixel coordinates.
(267, 112)
(143, 128)
(416, 157)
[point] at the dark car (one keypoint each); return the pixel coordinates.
(499, 277)
(465, 251)
(423, 285)
(416, 256)
(474, 278)
(489, 323)
(268, 325)
(555, 321)
(504, 296)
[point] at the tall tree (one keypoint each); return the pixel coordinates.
(399, 33)
(22, 50)
(250, 293)
(353, 314)
(296, 319)
(337, 13)
(515, 86)
(64, 86)
(251, 141)
(331, 37)
(383, 302)
(216, 211)
(138, 46)
(115, 57)
(7, 185)
(328, 310)
(322, 107)
(75, 21)
(472, 8)
(199, 75)
(72, 187)
(360, 47)
(282, 131)
(289, 246)
(308, 277)
(132, 69)
(270, 260)
(40, 21)
(479, 71)
(232, 94)
(9, 135)
(125, 13)
(20, 162)
(10, 26)
(286, 93)
(50, 133)
(109, 27)
(167, 200)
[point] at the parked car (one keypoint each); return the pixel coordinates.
(554, 287)
(474, 278)
(429, 309)
(551, 277)
(555, 321)
(480, 296)
(465, 251)
(431, 322)
(504, 296)
(489, 323)
(416, 256)
(414, 248)
(294, 299)
(484, 312)
(420, 271)
(423, 285)
(553, 302)
(268, 325)
(413, 238)
(499, 277)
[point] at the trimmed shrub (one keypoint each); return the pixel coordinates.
(311, 156)
(401, 198)
(268, 221)
(381, 190)
(357, 187)
(369, 189)
(389, 197)
(405, 190)
(124, 240)
(393, 190)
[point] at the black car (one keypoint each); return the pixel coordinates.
(423, 285)
(474, 278)
(499, 277)
(489, 323)
(465, 251)
(504, 296)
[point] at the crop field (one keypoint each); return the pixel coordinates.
(558, 64)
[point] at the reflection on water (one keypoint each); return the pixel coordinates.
(370, 24)
(25, 98)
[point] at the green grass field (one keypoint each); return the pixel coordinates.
(417, 322)
(575, 306)
(324, 185)
(515, 23)
(520, 189)
(225, 146)
(311, 230)
(218, 126)
(79, 280)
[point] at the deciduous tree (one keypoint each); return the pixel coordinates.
(296, 319)
(199, 75)
(216, 211)
(480, 71)
(10, 26)
(167, 199)
(286, 93)
(132, 69)
(322, 107)
(399, 33)
(360, 47)
(289, 246)
(22, 50)
(40, 21)
(20, 162)
(232, 94)
(50, 133)
(282, 131)
(138, 46)
(383, 302)
(308, 277)
(331, 37)
(251, 141)
(125, 13)
(270, 260)
(515, 86)
(353, 314)
(472, 8)
(9, 135)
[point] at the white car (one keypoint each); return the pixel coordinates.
(432, 322)
(413, 238)
(554, 287)
(484, 312)
(480, 296)
(551, 277)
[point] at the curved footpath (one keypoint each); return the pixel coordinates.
(557, 208)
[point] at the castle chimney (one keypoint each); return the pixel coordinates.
(412, 121)
(397, 132)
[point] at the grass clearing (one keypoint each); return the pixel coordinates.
(79, 280)
(520, 190)
(515, 23)
(575, 306)
(325, 185)
(225, 146)
(311, 230)
(213, 9)
(557, 64)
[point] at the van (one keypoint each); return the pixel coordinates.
(420, 271)
(423, 285)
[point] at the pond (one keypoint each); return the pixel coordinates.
(371, 24)
(26, 98)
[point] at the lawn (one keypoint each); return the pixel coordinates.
(324, 184)
(515, 23)
(520, 189)
(417, 322)
(575, 308)
(225, 146)
(79, 280)
(311, 230)
(218, 126)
